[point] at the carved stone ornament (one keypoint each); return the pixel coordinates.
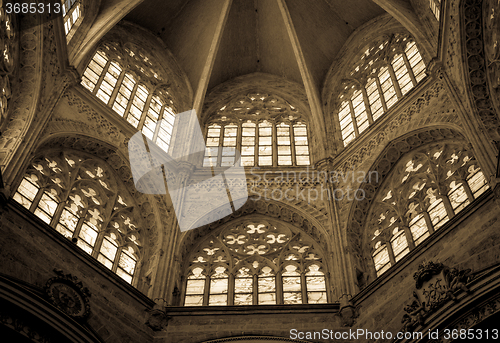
(157, 320)
(68, 294)
(435, 284)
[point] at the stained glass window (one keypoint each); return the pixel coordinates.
(424, 191)
(70, 192)
(263, 253)
(435, 6)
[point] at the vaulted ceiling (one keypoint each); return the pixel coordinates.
(266, 36)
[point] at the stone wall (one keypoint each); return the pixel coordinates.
(31, 250)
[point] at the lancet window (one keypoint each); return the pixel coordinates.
(267, 130)
(71, 10)
(138, 93)
(257, 262)
(79, 197)
(387, 72)
(424, 191)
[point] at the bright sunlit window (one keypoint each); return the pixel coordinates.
(130, 93)
(80, 198)
(391, 69)
(426, 189)
(267, 131)
(255, 263)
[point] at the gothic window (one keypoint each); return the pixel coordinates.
(386, 73)
(267, 130)
(71, 11)
(424, 191)
(81, 199)
(257, 262)
(435, 6)
(137, 93)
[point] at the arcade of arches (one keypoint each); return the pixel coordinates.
(368, 131)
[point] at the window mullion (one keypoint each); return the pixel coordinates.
(97, 245)
(292, 145)
(303, 288)
(221, 145)
(255, 289)
(145, 111)
(207, 291)
(274, 143)
(36, 199)
(57, 214)
(256, 150)
(101, 77)
(353, 118)
(130, 101)
(158, 123)
(428, 221)
(448, 207)
(239, 137)
(279, 289)
(117, 259)
(381, 94)
(367, 106)
(390, 252)
(230, 290)
(410, 71)
(395, 81)
(116, 90)
(79, 225)
(467, 189)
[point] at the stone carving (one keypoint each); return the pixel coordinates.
(9, 60)
(157, 318)
(384, 164)
(280, 211)
(477, 65)
(475, 317)
(435, 284)
(492, 41)
(68, 294)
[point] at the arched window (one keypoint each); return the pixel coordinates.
(72, 15)
(255, 263)
(425, 189)
(139, 95)
(386, 73)
(267, 130)
(80, 198)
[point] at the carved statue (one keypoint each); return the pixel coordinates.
(456, 280)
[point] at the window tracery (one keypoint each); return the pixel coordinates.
(130, 82)
(81, 199)
(425, 190)
(267, 130)
(385, 73)
(256, 262)
(71, 10)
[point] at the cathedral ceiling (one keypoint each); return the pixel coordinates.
(256, 35)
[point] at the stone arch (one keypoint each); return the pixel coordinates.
(273, 209)
(383, 166)
(153, 209)
(176, 79)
